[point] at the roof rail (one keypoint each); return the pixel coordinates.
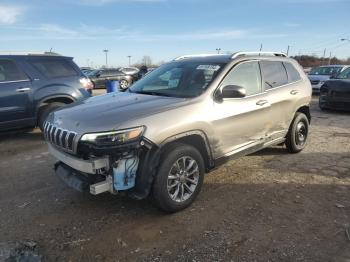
(192, 56)
(28, 53)
(258, 53)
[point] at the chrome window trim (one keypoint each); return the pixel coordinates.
(14, 81)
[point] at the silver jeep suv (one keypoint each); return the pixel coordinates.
(179, 122)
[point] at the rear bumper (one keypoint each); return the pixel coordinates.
(90, 166)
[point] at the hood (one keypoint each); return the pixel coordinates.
(107, 112)
(318, 77)
(340, 85)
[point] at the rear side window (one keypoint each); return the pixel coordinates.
(274, 73)
(9, 71)
(293, 74)
(52, 67)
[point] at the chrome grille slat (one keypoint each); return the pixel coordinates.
(60, 137)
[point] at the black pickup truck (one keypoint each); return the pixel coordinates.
(34, 85)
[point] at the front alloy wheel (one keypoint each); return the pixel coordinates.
(179, 177)
(183, 179)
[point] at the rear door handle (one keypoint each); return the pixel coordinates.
(21, 90)
(294, 92)
(261, 102)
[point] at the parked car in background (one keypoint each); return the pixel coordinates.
(125, 75)
(33, 85)
(335, 93)
(86, 70)
(178, 122)
(321, 74)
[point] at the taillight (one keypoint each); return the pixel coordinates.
(86, 83)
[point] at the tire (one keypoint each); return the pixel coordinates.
(124, 84)
(45, 111)
(170, 179)
(298, 133)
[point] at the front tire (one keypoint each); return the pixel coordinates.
(298, 133)
(179, 178)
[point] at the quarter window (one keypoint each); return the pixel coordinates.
(10, 72)
(293, 74)
(247, 75)
(274, 74)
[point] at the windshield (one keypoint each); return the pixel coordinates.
(345, 74)
(178, 79)
(325, 70)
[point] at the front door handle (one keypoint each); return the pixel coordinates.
(294, 92)
(261, 102)
(21, 90)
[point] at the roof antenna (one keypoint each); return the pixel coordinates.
(261, 46)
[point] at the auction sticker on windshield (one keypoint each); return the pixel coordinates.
(208, 67)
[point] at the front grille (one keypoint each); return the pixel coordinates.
(59, 137)
(315, 82)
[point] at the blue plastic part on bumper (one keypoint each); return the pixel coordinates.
(124, 174)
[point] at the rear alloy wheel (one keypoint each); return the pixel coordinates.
(179, 178)
(298, 133)
(124, 84)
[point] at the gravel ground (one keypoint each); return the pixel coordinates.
(269, 206)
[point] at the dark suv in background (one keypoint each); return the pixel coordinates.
(33, 85)
(125, 76)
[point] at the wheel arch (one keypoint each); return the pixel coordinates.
(198, 140)
(305, 110)
(66, 99)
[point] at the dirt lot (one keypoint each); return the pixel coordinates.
(270, 206)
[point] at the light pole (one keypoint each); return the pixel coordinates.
(129, 56)
(106, 52)
(218, 50)
(345, 39)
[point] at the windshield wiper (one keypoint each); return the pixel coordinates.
(153, 93)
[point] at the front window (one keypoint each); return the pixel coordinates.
(345, 74)
(325, 70)
(10, 72)
(246, 75)
(178, 79)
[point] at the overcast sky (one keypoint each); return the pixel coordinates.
(164, 29)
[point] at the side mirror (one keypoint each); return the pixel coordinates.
(233, 91)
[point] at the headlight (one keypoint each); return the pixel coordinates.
(114, 137)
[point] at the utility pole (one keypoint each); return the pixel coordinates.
(218, 50)
(261, 46)
(288, 50)
(106, 53)
(129, 56)
(330, 58)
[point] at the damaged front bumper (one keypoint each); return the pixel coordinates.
(132, 171)
(85, 166)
